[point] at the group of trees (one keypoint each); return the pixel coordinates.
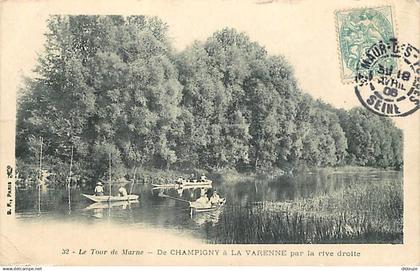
(114, 85)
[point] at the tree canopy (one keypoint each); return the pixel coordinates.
(114, 85)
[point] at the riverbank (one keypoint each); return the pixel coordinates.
(352, 169)
(159, 176)
(232, 175)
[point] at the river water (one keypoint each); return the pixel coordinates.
(153, 212)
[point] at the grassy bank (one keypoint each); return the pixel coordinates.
(350, 169)
(364, 214)
(233, 176)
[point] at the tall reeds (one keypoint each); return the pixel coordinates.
(366, 213)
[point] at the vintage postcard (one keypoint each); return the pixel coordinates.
(209, 132)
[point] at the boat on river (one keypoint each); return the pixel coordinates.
(106, 205)
(185, 184)
(196, 208)
(111, 198)
(200, 183)
(178, 186)
(166, 185)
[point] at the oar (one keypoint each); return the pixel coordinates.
(183, 200)
(169, 197)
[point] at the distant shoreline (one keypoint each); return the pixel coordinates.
(158, 176)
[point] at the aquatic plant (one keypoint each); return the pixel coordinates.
(367, 213)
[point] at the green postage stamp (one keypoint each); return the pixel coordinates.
(358, 30)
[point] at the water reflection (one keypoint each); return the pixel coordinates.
(109, 205)
(100, 209)
(152, 211)
(207, 217)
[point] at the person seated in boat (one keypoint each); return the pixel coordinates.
(122, 192)
(215, 199)
(204, 191)
(203, 201)
(180, 191)
(179, 180)
(203, 177)
(99, 189)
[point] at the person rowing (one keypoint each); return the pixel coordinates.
(202, 201)
(215, 199)
(203, 178)
(122, 192)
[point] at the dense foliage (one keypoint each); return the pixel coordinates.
(113, 85)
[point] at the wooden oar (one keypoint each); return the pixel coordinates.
(183, 200)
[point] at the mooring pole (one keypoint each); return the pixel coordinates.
(110, 186)
(40, 177)
(69, 179)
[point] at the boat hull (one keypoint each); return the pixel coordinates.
(195, 210)
(110, 198)
(165, 185)
(197, 183)
(107, 205)
(184, 186)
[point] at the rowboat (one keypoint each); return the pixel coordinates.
(187, 183)
(198, 185)
(166, 185)
(195, 208)
(111, 198)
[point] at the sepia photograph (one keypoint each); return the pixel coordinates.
(173, 129)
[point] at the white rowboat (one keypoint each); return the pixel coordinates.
(196, 183)
(196, 208)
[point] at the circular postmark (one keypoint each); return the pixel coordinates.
(387, 80)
